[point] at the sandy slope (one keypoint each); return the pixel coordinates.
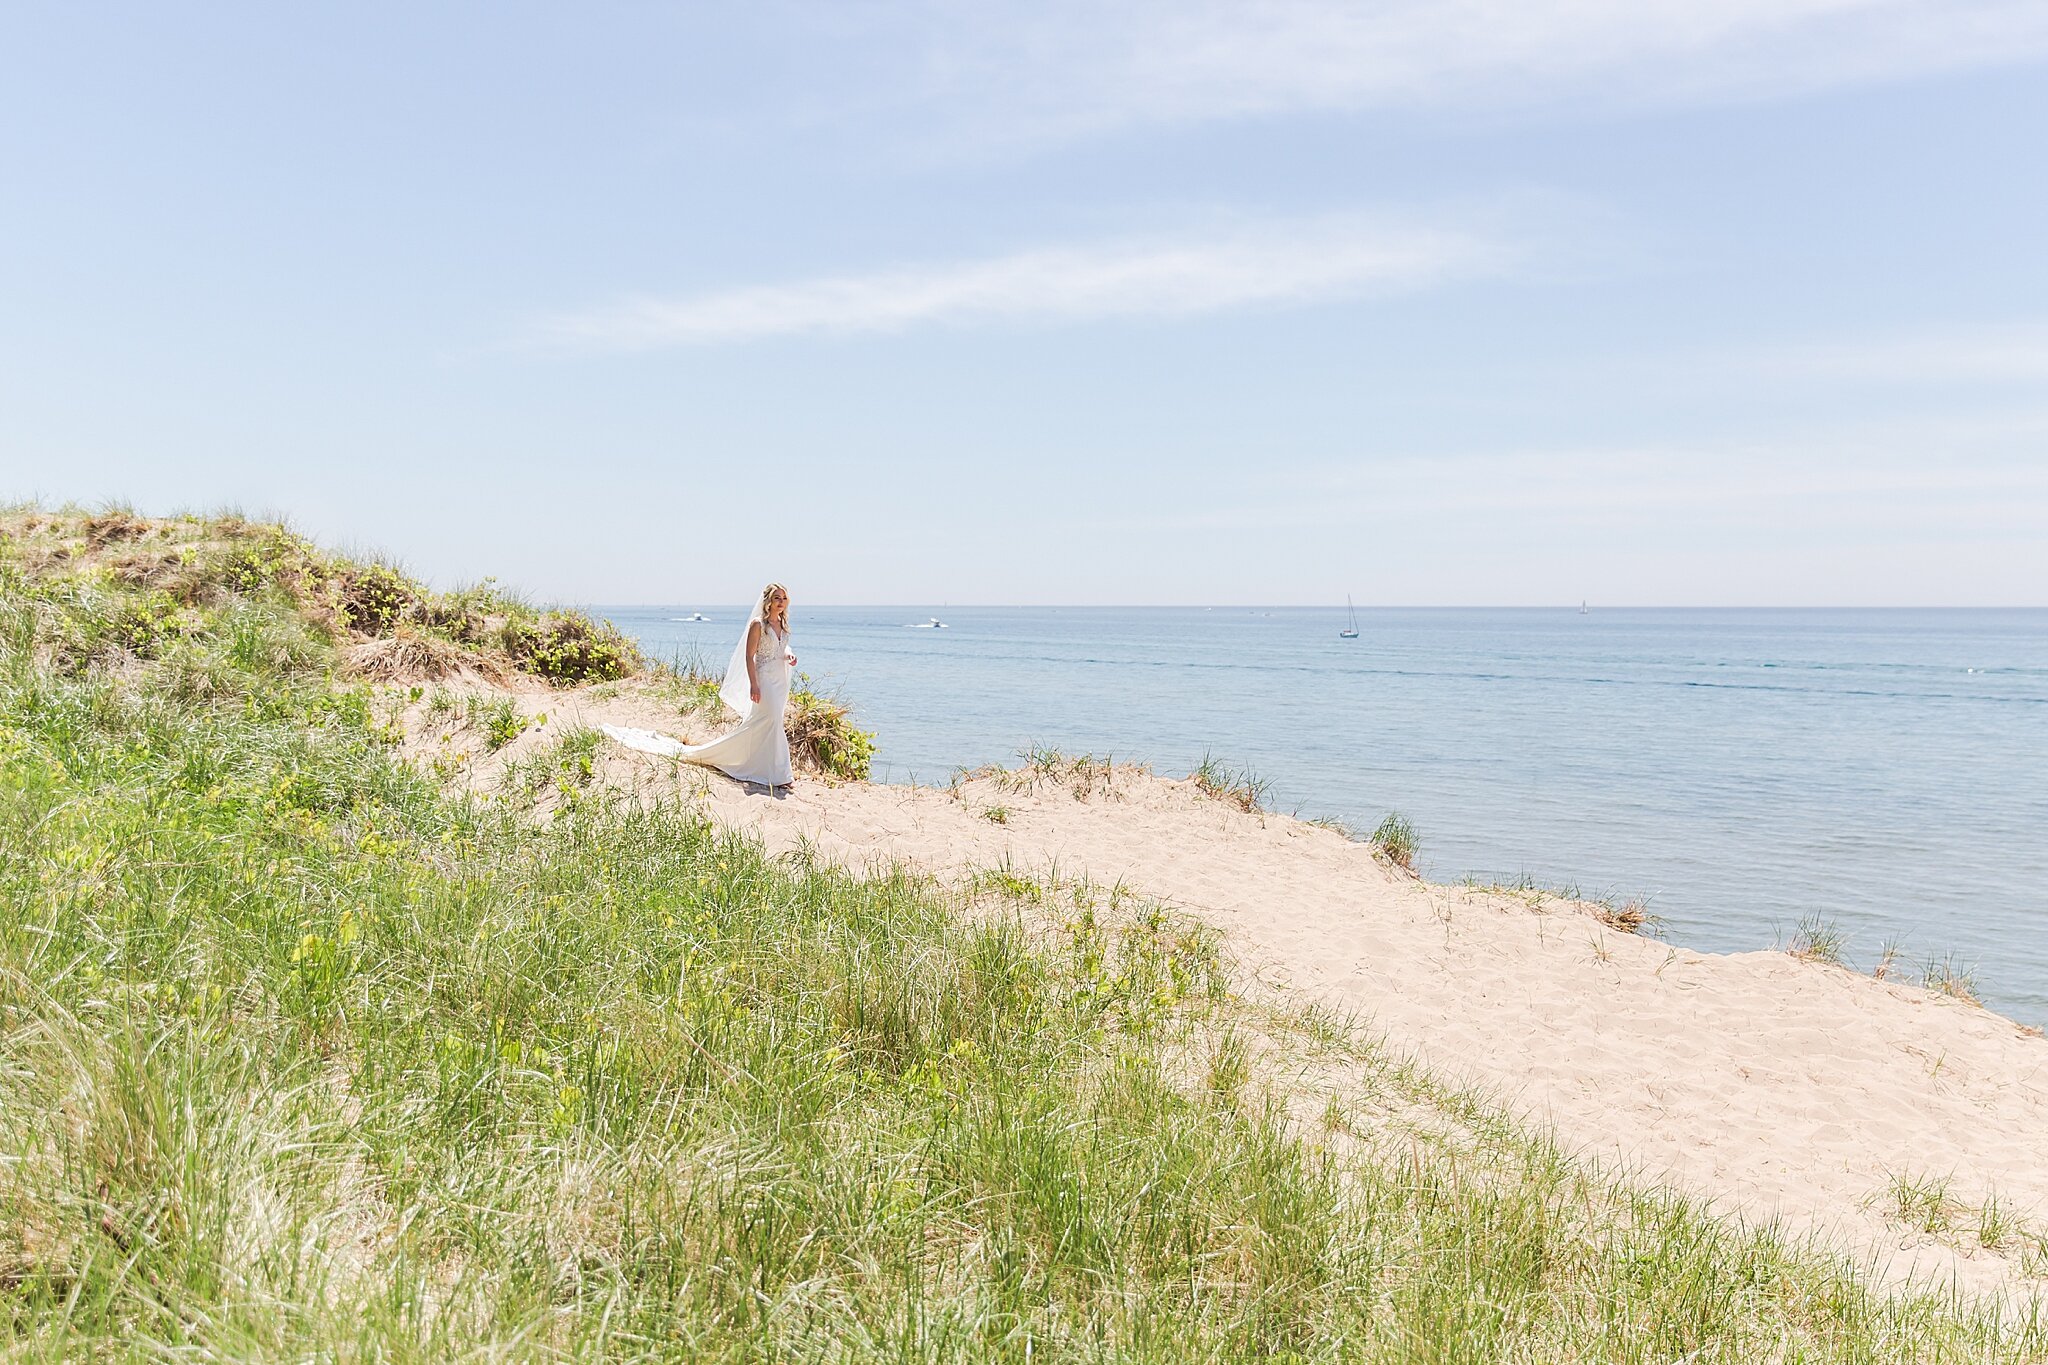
(1779, 1088)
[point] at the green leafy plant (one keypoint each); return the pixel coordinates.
(374, 598)
(499, 719)
(566, 766)
(567, 647)
(143, 622)
(821, 731)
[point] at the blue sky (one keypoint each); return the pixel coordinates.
(921, 301)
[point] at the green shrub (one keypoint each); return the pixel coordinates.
(258, 558)
(373, 598)
(567, 647)
(466, 615)
(245, 569)
(822, 731)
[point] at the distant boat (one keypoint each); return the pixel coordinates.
(934, 624)
(1582, 608)
(1349, 632)
(693, 616)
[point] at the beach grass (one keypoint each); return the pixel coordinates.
(821, 729)
(1819, 940)
(302, 1057)
(1630, 916)
(1240, 787)
(1395, 839)
(1081, 776)
(1943, 976)
(1624, 914)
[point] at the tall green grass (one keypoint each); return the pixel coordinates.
(1395, 840)
(301, 1059)
(1240, 787)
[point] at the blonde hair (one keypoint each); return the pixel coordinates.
(767, 596)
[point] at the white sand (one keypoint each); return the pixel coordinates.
(1779, 1089)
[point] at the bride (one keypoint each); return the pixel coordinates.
(757, 686)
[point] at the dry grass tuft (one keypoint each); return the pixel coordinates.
(147, 568)
(1629, 917)
(44, 561)
(115, 525)
(404, 658)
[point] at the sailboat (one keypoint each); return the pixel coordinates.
(1582, 608)
(1349, 632)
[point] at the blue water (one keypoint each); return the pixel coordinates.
(1742, 770)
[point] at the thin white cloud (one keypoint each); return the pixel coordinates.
(1296, 263)
(1987, 355)
(1969, 473)
(2012, 356)
(1069, 66)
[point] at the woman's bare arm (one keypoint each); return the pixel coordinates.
(753, 643)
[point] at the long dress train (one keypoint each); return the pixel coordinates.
(758, 751)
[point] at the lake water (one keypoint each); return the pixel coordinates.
(1741, 770)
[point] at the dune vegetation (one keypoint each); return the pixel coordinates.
(303, 1056)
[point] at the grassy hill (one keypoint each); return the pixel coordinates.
(302, 1057)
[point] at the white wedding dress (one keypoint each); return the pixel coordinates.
(758, 751)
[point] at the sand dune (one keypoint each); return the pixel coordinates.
(1778, 1088)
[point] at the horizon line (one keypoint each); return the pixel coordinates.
(1385, 606)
